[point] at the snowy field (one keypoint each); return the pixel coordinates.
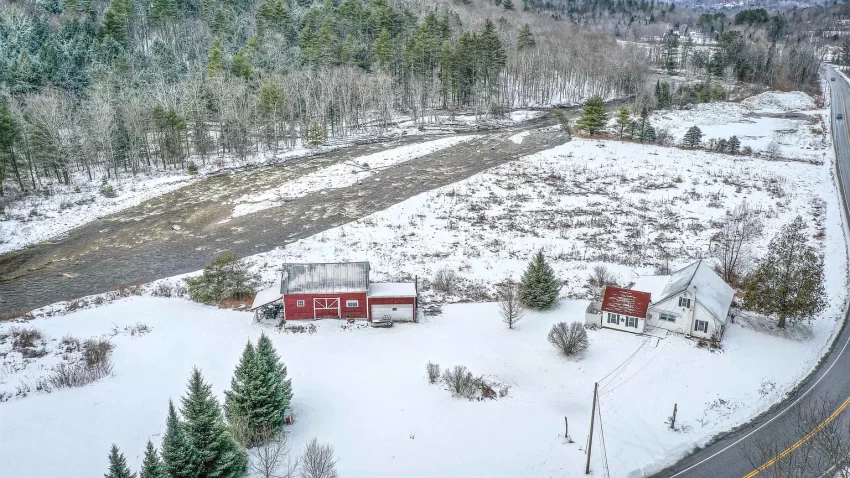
(788, 122)
(364, 390)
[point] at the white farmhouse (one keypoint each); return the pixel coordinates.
(692, 301)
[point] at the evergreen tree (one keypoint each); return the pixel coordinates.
(218, 454)
(118, 465)
(383, 50)
(623, 119)
(272, 15)
(788, 281)
(648, 134)
(162, 12)
(525, 39)
(241, 65)
(10, 134)
(693, 137)
(733, 146)
(116, 23)
(314, 135)
(593, 117)
(215, 64)
(722, 145)
(179, 457)
(275, 379)
(539, 286)
(671, 51)
(152, 466)
(508, 5)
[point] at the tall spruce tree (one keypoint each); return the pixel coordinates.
(525, 39)
(152, 466)
(179, 457)
(10, 134)
(693, 137)
(787, 283)
(218, 453)
(118, 465)
(733, 146)
(215, 64)
(539, 286)
(593, 117)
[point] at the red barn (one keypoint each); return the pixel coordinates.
(339, 291)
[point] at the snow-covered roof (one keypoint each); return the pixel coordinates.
(266, 296)
(392, 289)
(653, 284)
(323, 278)
(709, 289)
(629, 302)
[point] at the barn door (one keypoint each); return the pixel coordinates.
(326, 308)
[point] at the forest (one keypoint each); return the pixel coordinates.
(106, 88)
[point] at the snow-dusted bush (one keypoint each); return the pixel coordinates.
(25, 338)
(96, 352)
(445, 281)
(460, 381)
(569, 339)
(433, 370)
(78, 374)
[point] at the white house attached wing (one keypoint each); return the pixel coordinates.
(712, 292)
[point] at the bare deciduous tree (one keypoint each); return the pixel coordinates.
(271, 459)
(510, 307)
(600, 278)
(318, 461)
(731, 244)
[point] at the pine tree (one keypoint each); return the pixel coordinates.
(163, 12)
(118, 465)
(218, 454)
(734, 145)
(722, 145)
(648, 134)
(241, 66)
(539, 286)
(116, 23)
(314, 135)
(179, 457)
(10, 135)
(215, 64)
(623, 119)
(383, 50)
(151, 464)
(525, 39)
(272, 15)
(593, 117)
(788, 281)
(275, 379)
(508, 5)
(693, 137)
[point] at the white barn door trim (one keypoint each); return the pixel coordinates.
(328, 303)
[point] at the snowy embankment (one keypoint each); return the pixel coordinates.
(340, 175)
(364, 390)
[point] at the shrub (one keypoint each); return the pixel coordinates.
(226, 277)
(96, 352)
(433, 372)
(106, 190)
(69, 344)
(76, 375)
(445, 281)
(460, 381)
(569, 339)
(25, 338)
(192, 168)
(318, 461)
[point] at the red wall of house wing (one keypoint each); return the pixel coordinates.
(293, 312)
(393, 300)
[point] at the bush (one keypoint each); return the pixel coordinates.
(96, 352)
(460, 381)
(192, 168)
(445, 281)
(226, 277)
(106, 190)
(25, 338)
(318, 461)
(433, 372)
(569, 339)
(76, 375)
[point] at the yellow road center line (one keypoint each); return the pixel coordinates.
(799, 442)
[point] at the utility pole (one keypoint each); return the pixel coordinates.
(590, 439)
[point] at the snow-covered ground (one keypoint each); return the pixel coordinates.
(340, 175)
(802, 138)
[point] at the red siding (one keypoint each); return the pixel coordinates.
(293, 312)
(393, 300)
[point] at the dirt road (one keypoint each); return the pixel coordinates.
(140, 244)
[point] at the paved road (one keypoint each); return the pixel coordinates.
(731, 455)
(139, 244)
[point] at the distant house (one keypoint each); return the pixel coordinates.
(339, 290)
(693, 301)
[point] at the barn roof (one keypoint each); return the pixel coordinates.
(392, 289)
(324, 278)
(625, 301)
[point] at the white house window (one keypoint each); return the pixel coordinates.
(667, 317)
(701, 326)
(299, 303)
(683, 302)
(631, 322)
(613, 318)
(351, 303)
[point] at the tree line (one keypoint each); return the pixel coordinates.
(96, 88)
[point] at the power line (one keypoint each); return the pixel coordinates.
(633, 375)
(602, 442)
